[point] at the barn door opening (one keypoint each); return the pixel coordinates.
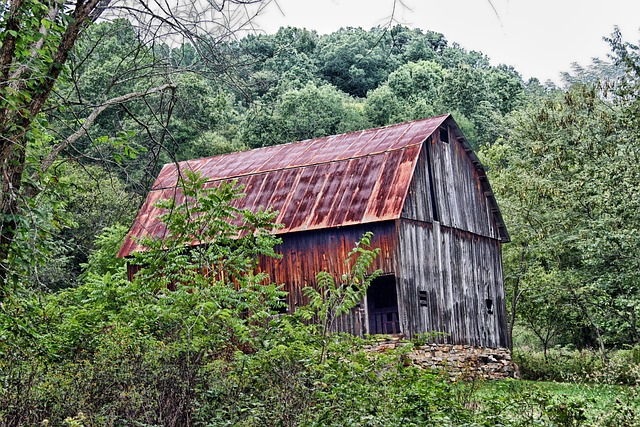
(382, 306)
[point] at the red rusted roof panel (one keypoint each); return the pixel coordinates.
(349, 189)
(325, 151)
(362, 194)
(346, 179)
(394, 200)
(383, 186)
(304, 196)
(356, 144)
(304, 153)
(330, 192)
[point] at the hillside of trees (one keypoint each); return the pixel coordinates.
(80, 345)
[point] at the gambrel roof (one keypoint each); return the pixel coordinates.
(333, 181)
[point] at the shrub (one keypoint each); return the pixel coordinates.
(625, 412)
(561, 364)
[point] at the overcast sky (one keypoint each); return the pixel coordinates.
(540, 38)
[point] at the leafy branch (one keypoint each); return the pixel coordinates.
(331, 299)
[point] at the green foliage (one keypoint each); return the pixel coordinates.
(36, 230)
(561, 364)
(298, 114)
(386, 75)
(109, 61)
(354, 60)
(525, 403)
(478, 97)
(283, 59)
(285, 386)
(412, 91)
(104, 53)
(93, 200)
(22, 28)
(564, 179)
(103, 259)
(204, 120)
(417, 79)
(624, 411)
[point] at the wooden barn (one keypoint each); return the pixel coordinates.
(417, 186)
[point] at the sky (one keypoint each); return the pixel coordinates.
(539, 38)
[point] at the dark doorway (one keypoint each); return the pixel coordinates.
(382, 305)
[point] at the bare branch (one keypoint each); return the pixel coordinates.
(84, 129)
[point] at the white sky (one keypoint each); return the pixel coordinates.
(540, 38)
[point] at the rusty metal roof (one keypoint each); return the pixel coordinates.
(352, 178)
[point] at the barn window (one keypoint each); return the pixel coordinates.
(444, 134)
(422, 298)
(283, 305)
(382, 306)
(489, 304)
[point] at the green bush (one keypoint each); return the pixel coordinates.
(620, 367)
(286, 386)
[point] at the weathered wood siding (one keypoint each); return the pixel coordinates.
(446, 171)
(458, 271)
(450, 251)
(418, 203)
(304, 254)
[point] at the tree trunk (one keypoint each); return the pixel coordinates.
(516, 296)
(11, 170)
(34, 83)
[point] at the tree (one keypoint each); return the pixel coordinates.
(299, 114)
(37, 40)
(411, 92)
(565, 176)
(412, 45)
(277, 62)
(90, 201)
(354, 60)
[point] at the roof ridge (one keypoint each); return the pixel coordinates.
(290, 143)
(315, 149)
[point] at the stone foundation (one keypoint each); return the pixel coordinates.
(458, 361)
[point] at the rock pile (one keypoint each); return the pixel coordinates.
(458, 361)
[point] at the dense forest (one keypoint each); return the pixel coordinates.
(84, 135)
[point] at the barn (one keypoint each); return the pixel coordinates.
(421, 190)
